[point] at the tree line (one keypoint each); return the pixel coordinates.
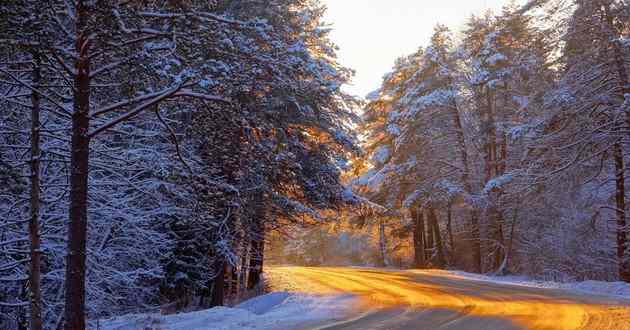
(148, 147)
(503, 147)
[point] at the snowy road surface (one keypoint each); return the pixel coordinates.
(392, 300)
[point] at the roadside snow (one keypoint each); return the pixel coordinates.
(274, 311)
(612, 289)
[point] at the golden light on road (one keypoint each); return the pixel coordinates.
(430, 300)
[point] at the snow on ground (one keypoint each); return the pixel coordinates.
(273, 311)
(612, 289)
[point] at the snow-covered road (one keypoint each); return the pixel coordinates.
(395, 300)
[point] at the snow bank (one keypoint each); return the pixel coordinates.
(274, 311)
(611, 289)
(616, 289)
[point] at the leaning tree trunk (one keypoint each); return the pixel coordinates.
(624, 266)
(418, 237)
(74, 317)
(33, 228)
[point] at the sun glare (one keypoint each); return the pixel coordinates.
(371, 34)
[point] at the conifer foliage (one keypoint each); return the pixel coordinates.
(148, 147)
(514, 136)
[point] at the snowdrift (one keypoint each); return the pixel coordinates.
(273, 311)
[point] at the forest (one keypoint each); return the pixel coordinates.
(155, 155)
(500, 148)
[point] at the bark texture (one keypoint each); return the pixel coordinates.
(74, 317)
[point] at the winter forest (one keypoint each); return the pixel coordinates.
(155, 155)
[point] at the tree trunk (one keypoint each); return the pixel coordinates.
(74, 316)
(232, 285)
(438, 238)
(491, 167)
(232, 139)
(476, 242)
(510, 247)
(463, 154)
(500, 169)
(382, 242)
(624, 265)
(243, 275)
(256, 262)
(428, 248)
(418, 237)
(33, 228)
(449, 229)
(499, 254)
(491, 137)
(218, 283)
(624, 82)
(257, 254)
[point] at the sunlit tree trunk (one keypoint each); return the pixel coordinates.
(257, 257)
(382, 242)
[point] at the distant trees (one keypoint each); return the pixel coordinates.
(494, 133)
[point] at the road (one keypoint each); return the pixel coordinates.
(401, 300)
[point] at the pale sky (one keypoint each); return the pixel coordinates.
(373, 33)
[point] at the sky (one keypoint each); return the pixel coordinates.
(371, 34)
